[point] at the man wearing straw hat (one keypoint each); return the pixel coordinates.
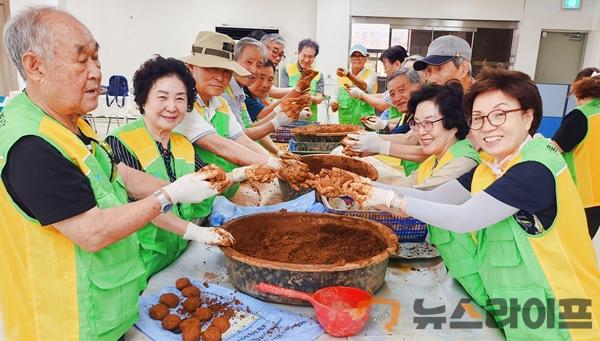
(217, 136)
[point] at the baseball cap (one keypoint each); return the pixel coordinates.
(442, 50)
(358, 48)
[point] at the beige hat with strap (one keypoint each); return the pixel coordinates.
(213, 49)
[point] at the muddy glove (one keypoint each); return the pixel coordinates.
(341, 72)
(239, 174)
(369, 142)
(208, 235)
(374, 122)
(335, 106)
(281, 119)
(356, 92)
(190, 188)
(379, 197)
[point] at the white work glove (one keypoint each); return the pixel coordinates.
(379, 197)
(208, 235)
(375, 123)
(370, 142)
(356, 92)
(239, 174)
(274, 162)
(190, 188)
(281, 119)
(305, 114)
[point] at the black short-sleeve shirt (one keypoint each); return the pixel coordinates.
(528, 186)
(43, 183)
(572, 130)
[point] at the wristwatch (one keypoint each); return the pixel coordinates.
(165, 203)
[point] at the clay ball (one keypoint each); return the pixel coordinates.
(171, 322)
(191, 304)
(169, 299)
(192, 322)
(191, 334)
(159, 311)
(203, 314)
(220, 322)
(211, 334)
(182, 283)
(191, 291)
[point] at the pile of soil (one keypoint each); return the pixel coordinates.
(300, 244)
(318, 162)
(326, 129)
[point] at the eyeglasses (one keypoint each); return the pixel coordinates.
(496, 118)
(427, 125)
(277, 54)
(357, 56)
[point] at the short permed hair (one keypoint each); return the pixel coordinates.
(515, 84)
(586, 86)
(159, 67)
(449, 100)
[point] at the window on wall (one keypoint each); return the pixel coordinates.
(491, 41)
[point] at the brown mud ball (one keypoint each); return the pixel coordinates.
(191, 291)
(171, 322)
(220, 322)
(192, 322)
(182, 283)
(191, 304)
(203, 313)
(159, 311)
(191, 334)
(169, 299)
(211, 334)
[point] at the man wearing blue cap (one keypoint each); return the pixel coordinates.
(358, 78)
(448, 58)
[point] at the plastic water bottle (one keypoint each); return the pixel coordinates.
(330, 85)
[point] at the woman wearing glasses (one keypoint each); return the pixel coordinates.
(534, 254)
(578, 138)
(164, 91)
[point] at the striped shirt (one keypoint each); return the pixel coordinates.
(122, 154)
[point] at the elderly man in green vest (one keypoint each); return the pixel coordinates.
(72, 265)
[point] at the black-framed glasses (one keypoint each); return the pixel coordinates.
(427, 125)
(277, 54)
(496, 118)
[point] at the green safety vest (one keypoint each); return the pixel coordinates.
(394, 113)
(408, 166)
(352, 109)
(584, 159)
(458, 250)
(220, 121)
(55, 289)
(294, 75)
(539, 271)
(244, 115)
(160, 247)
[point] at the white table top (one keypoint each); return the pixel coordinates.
(406, 281)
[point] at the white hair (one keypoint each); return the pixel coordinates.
(245, 42)
(273, 38)
(27, 32)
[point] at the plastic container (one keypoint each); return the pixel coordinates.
(407, 229)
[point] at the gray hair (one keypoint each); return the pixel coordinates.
(412, 75)
(273, 38)
(245, 42)
(27, 32)
(411, 58)
(459, 60)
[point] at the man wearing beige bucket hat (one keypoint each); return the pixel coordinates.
(211, 126)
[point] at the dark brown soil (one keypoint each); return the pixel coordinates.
(318, 162)
(294, 243)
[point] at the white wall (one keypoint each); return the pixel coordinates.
(541, 15)
(131, 31)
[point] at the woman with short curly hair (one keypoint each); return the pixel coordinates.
(164, 91)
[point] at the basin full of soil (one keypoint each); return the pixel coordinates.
(307, 251)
